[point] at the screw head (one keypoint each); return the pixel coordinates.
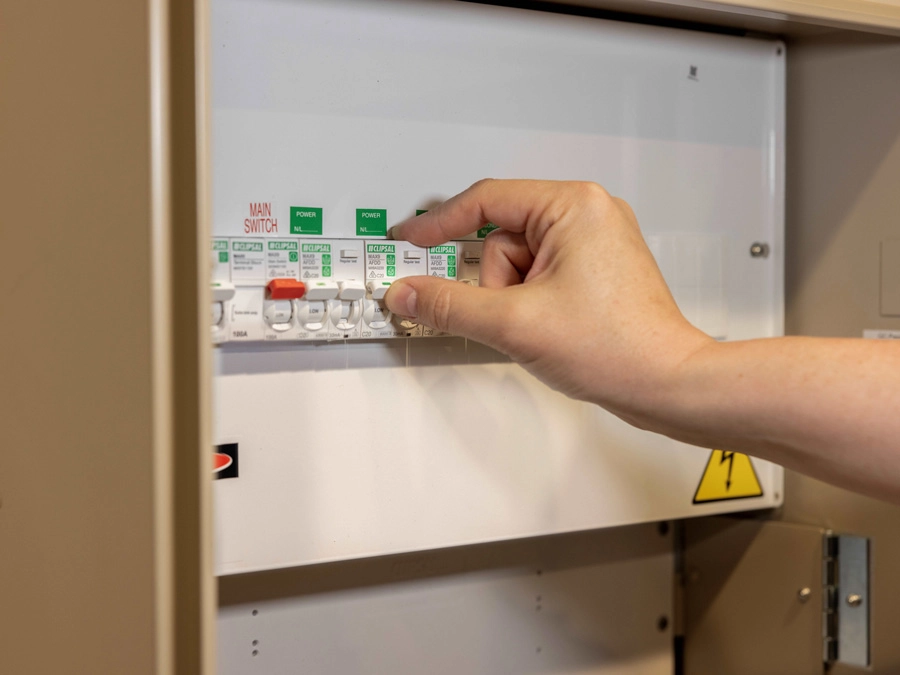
(854, 600)
(759, 250)
(804, 593)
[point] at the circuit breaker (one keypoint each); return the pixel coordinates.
(314, 290)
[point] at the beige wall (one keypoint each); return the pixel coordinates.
(843, 198)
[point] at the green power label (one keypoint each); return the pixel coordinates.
(247, 246)
(317, 248)
(306, 220)
(379, 248)
(487, 229)
(282, 245)
(371, 222)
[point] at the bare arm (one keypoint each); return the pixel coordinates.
(571, 292)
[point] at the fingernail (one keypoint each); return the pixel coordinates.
(401, 299)
(390, 232)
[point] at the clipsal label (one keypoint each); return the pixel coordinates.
(381, 261)
(282, 259)
(315, 260)
(442, 261)
(248, 261)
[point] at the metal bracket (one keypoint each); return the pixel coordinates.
(845, 600)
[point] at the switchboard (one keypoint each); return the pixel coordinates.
(355, 434)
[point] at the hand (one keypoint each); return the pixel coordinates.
(568, 289)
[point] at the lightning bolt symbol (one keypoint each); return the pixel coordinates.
(727, 457)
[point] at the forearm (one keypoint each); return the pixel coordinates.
(826, 407)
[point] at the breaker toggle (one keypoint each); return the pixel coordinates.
(286, 289)
(378, 289)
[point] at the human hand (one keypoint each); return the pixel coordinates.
(568, 289)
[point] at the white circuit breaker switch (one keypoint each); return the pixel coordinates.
(391, 260)
(312, 316)
(345, 317)
(244, 315)
(278, 314)
(378, 289)
(351, 289)
(334, 272)
(321, 289)
(222, 291)
(376, 320)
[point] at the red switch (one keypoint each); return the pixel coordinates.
(286, 289)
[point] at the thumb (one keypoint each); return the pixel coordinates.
(449, 306)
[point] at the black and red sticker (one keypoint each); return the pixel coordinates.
(225, 461)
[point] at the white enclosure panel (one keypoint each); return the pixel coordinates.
(598, 604)
(359, 449)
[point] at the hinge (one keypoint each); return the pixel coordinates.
(845, 600)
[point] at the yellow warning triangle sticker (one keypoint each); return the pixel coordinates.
(728, 475)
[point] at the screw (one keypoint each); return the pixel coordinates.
(662, 623)
(804, 593)
(759, 250)
(854, 600)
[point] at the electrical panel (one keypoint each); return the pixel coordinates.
(352, 433)
(283, 289)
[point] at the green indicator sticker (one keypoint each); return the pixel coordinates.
(451, 260)
(293, 256)
(326, 270)
(326, 258)
(223, 256)
(451, 271)
(306, 220)
(220, 245)
(371, 222)
(419, 212)
(484, 231)
(391, 270)
(391, 259)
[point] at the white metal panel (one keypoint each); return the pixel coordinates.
(350, 450)
(598, 603)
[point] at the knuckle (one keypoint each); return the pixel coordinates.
(625, 207)
(482, 184)
(593, 192)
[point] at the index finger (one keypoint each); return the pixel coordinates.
(529, 206)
